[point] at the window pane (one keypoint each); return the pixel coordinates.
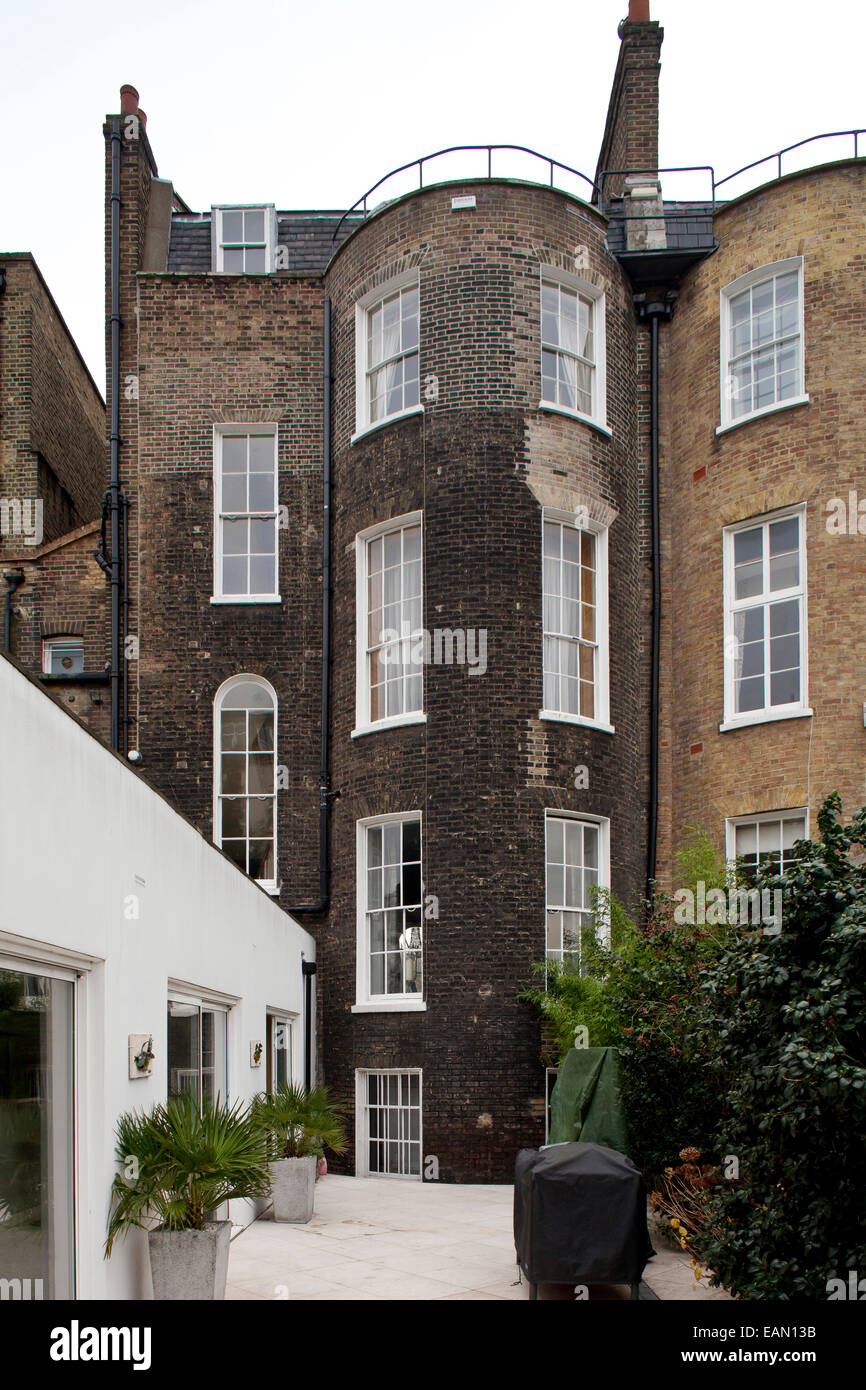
(233, 261)
(234, 812)
(235, 537)
(261, 814)
(262, 575)
(233, 226)
(233, 773)
(254, 225)
(255, 264)
(262, 860)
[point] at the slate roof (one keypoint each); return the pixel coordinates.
(689, 227)
(308, 236)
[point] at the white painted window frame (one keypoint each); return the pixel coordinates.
(769, 714)
(221, 432)
(52, 644)
(603, 825)
(270, 242)
(729, 292)
(597, 417)
(362, 1164)
(363, 722)
(272, 1017)
(363, 306)
(271, 886)
(23, 955)
(759, 818)
(602, 693)
(365, 1003)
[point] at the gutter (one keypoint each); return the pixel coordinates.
(653, 312)
(113, 496)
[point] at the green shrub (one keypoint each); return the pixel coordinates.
(792, 1049)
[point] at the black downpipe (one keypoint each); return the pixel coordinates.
(325, 793)
(114, 486)
(309, 969)
(13, 578)
(125, 606)
(654, 312)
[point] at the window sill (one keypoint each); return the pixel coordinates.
(389, 420)
(397, 721)
(392, 1006)
(759, 414)
(272, 889)
(576, 415)
(763, 718)
(247, 598)
(576, 719)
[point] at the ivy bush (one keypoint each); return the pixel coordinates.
(791, 1012)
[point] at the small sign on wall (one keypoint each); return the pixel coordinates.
(257, 1051)
(140, 1055)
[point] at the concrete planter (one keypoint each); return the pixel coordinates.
(190, 1264)
(293, 1182)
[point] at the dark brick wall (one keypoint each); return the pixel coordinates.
(51, 414)
(216, 349)
(483, 768)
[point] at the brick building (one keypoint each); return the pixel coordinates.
(466, 568)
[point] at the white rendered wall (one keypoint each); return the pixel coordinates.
(78, 830)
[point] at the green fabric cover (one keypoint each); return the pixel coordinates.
(585, 1104)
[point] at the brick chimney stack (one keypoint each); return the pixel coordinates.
(631, 133)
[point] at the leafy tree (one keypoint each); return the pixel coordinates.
(791, 1011)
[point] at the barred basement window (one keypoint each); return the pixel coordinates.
(389, 1110)
(245, 714)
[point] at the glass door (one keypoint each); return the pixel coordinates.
(36, 1134)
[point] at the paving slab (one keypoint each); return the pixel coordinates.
(387, 1239)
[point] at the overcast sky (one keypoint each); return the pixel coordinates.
(307, 105)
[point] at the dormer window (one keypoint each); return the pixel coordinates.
(244, 239)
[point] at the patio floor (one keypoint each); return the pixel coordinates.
(386, 1239)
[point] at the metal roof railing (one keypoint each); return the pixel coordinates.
(593, 189)
(778, 154)
(552, 164)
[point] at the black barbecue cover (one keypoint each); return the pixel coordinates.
(579, 1216)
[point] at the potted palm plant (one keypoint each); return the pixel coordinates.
(298, 1124)
(179, 1163)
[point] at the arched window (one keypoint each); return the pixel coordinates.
(245, 799)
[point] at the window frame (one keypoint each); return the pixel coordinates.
(732, 823)
(218, 245)
(362, 1136)
(576, 284)
(204, 1002)
(363, 723)
(601, 532)
(271, 886)
(729, 292)
(363, 308)
(768, 714)
(602, 824)
(365, 1002)
(274, 1017)
(221, 432)
(54, 643)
